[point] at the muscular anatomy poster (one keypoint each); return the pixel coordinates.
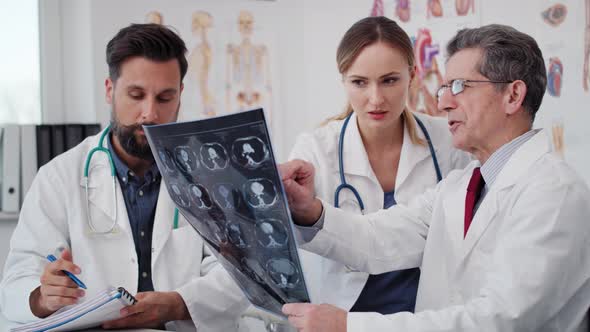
(222, 176)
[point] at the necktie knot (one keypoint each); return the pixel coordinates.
(477, 182)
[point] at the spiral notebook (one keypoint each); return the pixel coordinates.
(93, 312)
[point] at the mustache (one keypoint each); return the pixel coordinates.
(133, 143)
(136, 126)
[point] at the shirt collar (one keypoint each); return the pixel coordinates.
(492, 167)
(123, 171)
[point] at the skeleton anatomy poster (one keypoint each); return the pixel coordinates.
(229, 67)
(222, 175)
(229, 60)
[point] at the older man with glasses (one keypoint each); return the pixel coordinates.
(503, 245)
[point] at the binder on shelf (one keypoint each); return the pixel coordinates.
(28, 157)
(10, 145)
(44, 151)
(25, 148)
(104, 306)
(74, 135)
(58, 140)
(91, 129)
(52, 140)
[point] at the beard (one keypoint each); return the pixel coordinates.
(128, 138)
(128, 135)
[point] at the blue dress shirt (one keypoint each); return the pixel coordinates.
(141, 196)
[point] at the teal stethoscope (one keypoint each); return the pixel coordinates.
(102, 148)
(344, 185)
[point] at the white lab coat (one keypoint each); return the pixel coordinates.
(330, 281)
(523, 266)
(54, 214)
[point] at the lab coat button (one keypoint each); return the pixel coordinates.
(144, 274)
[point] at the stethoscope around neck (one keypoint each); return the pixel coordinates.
(345, 185)
(101, 148)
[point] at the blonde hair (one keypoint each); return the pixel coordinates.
(369, 31)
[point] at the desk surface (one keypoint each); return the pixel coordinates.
(5, 326)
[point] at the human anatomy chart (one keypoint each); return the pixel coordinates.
(430, 25)
(229, 62)
(377, 9)
(406, 10)
(248, 83)
(463, 7)
(434, 8)
(154, 17)
(222, 176)
(200, 62)
(554, 76)
(555, 15)
(428, 76)
(402, 10)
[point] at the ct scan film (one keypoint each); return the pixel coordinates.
(222, 175)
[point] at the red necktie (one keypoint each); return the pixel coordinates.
(474, 188)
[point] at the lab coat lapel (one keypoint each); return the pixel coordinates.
(355, 159)
(453, 204)
(100, 194)
(483, 216)
(517, 165)
(163, 222)
(411, 154)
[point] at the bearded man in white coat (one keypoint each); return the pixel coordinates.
(121, 231)
(503, 245)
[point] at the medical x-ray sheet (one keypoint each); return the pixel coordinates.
(222, 175)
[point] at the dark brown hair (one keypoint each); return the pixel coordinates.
(151, 41)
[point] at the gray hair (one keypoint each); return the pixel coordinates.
(508, 55)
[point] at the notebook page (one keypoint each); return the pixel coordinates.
(103, 307)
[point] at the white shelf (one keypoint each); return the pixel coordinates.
(8, 216)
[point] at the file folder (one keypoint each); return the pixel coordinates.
(10, 168)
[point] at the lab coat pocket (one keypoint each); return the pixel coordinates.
(101, 224)
(350, 269)
(185, 251)
(350, 204)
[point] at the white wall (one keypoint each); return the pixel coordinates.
(66, 61)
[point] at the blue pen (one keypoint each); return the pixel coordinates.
(78, 282)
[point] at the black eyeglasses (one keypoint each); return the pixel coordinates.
(458, 85)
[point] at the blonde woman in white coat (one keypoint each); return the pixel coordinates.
(386, 157)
